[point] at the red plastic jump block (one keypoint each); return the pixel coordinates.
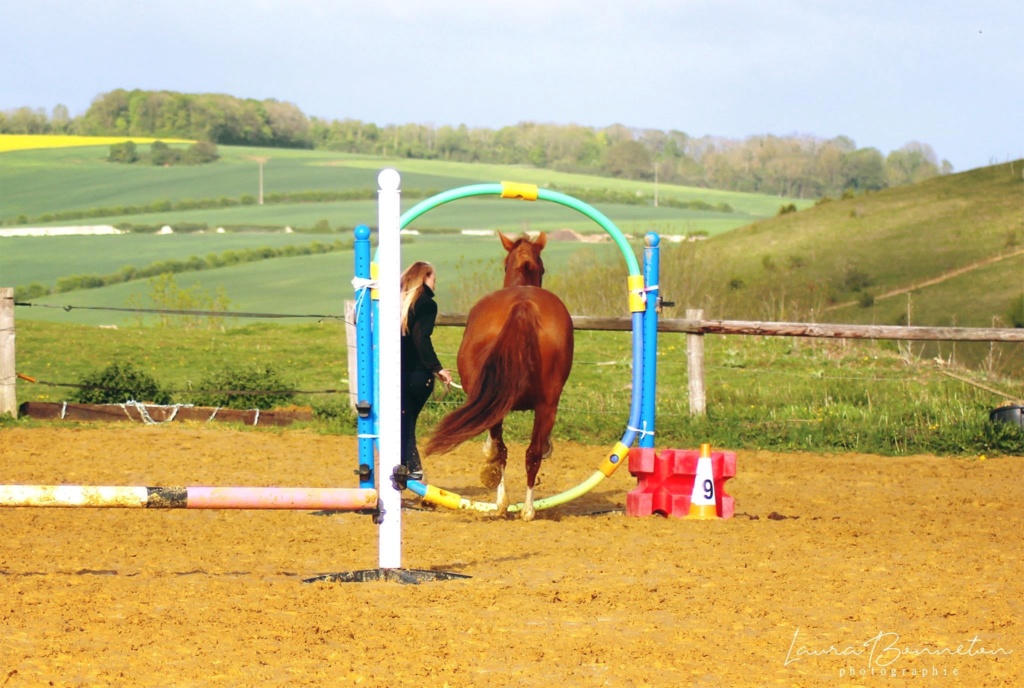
(665, 481)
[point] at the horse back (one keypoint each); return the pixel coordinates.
(552, 325)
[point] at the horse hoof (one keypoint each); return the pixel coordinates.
(490, 475)
(528, 514)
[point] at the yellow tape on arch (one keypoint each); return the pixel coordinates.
(526, 192)
(637, 292)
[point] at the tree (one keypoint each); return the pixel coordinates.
(108, 114)
(864, 170)
(60, 120)
(25, 121)
(288, 125)
(628, 159)
(453, 144)
(914, 162)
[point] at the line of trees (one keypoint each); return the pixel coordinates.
(798, 165)
(160, 154)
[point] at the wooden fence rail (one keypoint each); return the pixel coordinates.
(694, 325)
(700, 326)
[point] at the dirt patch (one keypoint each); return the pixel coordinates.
(573, 235)
(832, 565)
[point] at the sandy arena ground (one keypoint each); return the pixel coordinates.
(836, 571)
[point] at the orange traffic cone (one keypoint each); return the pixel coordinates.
(704, 501)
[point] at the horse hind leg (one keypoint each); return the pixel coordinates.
(539, 449)
(496, 454)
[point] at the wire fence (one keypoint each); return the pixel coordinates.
(179, 311)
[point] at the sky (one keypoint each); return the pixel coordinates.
(882, 72)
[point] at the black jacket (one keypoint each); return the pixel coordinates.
(417, 348)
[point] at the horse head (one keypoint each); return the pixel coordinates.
(523, 266)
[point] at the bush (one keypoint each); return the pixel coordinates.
(238, 388)
(118, 383)
(1015, 314)
(335, 413)
(856, 279)
(123, 152)
(32, 291)
(201, 152)
(161, 154)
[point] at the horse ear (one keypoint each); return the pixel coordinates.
(541, 241)
(506, 242)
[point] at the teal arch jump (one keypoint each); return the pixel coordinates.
(496, 189)
(636, 285)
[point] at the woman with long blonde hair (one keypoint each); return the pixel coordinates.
(419, 360)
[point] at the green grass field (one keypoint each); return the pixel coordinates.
(763, 392)
(467, 268)
(774, 393)
(471, 213)
(53, 180)
(63, 179)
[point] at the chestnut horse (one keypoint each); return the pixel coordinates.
(516, 355)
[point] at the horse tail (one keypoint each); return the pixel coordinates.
(504, 377)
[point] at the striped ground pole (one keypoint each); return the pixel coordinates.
(259, 498)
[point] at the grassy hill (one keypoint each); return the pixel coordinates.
(952, 246)
(946, 252)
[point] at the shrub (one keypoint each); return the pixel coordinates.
(161, 154)
(736, 283)
(32, 291)
(1015, 315)
(336, 413)
(856, 279)
(123, 152)
(201, 152)
(243, 388)
(118, 383)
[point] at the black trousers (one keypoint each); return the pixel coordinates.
(417, 386)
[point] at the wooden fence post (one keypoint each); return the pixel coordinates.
(695, 365)
(8, 376)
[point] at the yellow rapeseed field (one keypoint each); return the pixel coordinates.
(13, 142)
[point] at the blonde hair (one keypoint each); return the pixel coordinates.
(412, 286)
